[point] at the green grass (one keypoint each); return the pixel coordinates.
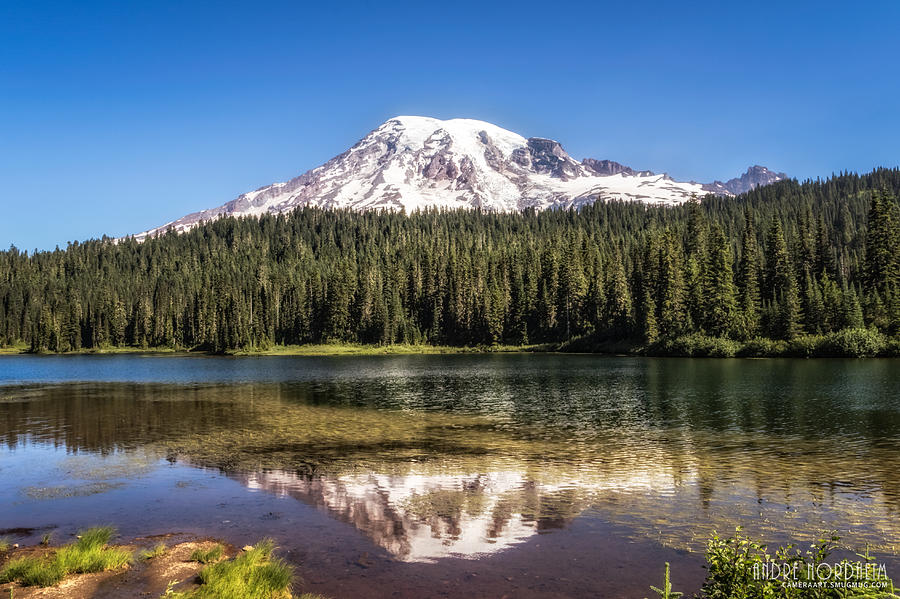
(24, 348)
(312, 349)
(207, 556)
(32, 571)
(88, 554)
(95, 537)
(254, 574)
(5, 544)
(158, 550)
(16, 348)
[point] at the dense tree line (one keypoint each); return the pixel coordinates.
(781, 261)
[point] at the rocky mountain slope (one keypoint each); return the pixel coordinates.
(756, 176)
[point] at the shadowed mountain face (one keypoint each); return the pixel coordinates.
(606, 168)
(414, 163)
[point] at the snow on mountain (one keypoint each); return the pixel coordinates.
(413, 163)
(396, 510)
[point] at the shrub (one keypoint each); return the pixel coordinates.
(892, 348)
(697, 345)
(762, 347)
(806, 346)
(736, 569)
(855, 343)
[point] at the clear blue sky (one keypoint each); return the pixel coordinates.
(119, 116)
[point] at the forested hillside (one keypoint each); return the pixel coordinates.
(787, 261)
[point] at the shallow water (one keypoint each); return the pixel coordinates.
(457, 475)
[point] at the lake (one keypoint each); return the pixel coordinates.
(519, 475)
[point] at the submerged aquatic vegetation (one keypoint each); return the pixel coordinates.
(88, 554)
(65, 491)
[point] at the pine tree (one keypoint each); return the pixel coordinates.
(748, 281)
(825, 263)
(720, 304)
(778, 268)
(695, 251)
(647, 318)
(882, 244)
(572, 290)
(670, 286)
(618, 299)
(787, 311)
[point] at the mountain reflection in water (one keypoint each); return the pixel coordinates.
(422, 517)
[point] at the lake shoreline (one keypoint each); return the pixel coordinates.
(158, 565)
(848, 343)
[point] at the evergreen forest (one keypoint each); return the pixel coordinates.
(792, 268)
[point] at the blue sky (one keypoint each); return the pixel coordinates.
(119, 116)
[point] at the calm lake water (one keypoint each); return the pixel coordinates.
(458, 475)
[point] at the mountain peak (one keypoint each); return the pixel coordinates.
(756, 176)
(418, 132)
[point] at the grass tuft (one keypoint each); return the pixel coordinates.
(207, 556)
(5, 544)
(95, 537)
(88, 554)
(32, 571)
(158, 550)
(254, 574)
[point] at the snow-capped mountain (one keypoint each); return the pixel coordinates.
(413, 163)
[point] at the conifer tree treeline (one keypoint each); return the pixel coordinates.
(780, 261)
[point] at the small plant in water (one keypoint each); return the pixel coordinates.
(666, 591)
(45, 540)
(207, 556)
(4, 544)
